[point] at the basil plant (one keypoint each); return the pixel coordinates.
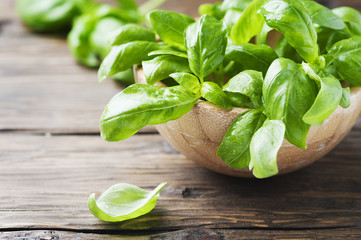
(224, 58)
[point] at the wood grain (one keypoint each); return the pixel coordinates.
(45, 182)
(191, 233)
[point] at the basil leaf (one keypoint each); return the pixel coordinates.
(130, 33)
(78, 41)
(159, 68)
(170, 26)
(264, 148)
(150, 5)
(291, 19)
(127, 4)
(231, 18)
(346, 98)
(248, 83)
(348, 14)
(326, 102)
(206, 44)
(99, 37)
(121, 58)
(347, 59)
(140, 105)
(188, 81)
(251, 56)
(235, 4)
(249, 24)
(49, 15)
(234, 149)
(123, 201)
(213, 92)
(215, 10)
(328, 37)
(322, 15)
(285, 50)
(239, 100)
(288, 93)
(172, 52)
(126, 77)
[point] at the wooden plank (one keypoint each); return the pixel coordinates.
(45, 182)
(192, 233)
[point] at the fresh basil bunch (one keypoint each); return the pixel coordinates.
(50, 15)
(224, 58)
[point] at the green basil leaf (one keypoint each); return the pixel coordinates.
(285, 50)
(126, 77)
(322, 15)
(264, 148)
(346, 98)
(235, 4)
(142, 104)
(214, 10)
(326, 101)
(291, 19)
(348, 14)
(99, 37)
(251, 56)
(239, 100)
(288, 93)
(127, 4)
(166, 51)
(49, 15)
(123, 57)
(234, 149)
(78, 41)
(206, 44)
(213, 93)
(231, 18)
(159, 68)
(248, 83)
(188, 81)
(170, 26)
(130, 33)
(149, 6)
(328, 37)
(249, 24)
(123, 201)
(347, 59)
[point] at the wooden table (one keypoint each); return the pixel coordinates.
(52, 159)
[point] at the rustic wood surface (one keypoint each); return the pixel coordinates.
(52, 159)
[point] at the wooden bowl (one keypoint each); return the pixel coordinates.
(198, 134)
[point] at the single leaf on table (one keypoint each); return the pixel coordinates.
(123, 57)
(159, 68)
(288, 93)
(326, 102)
(323, 16)
(130, 33)
(346, 98)
(251, 56)
(347, 59)
(249, 24)
(291, 19)
(248, 83)
(213, 93)
(142, 104)
(234, 149)
(206, 43)
(188, 81)
(264, 148)
(170, 26)
(169, 51)
(123, 201)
